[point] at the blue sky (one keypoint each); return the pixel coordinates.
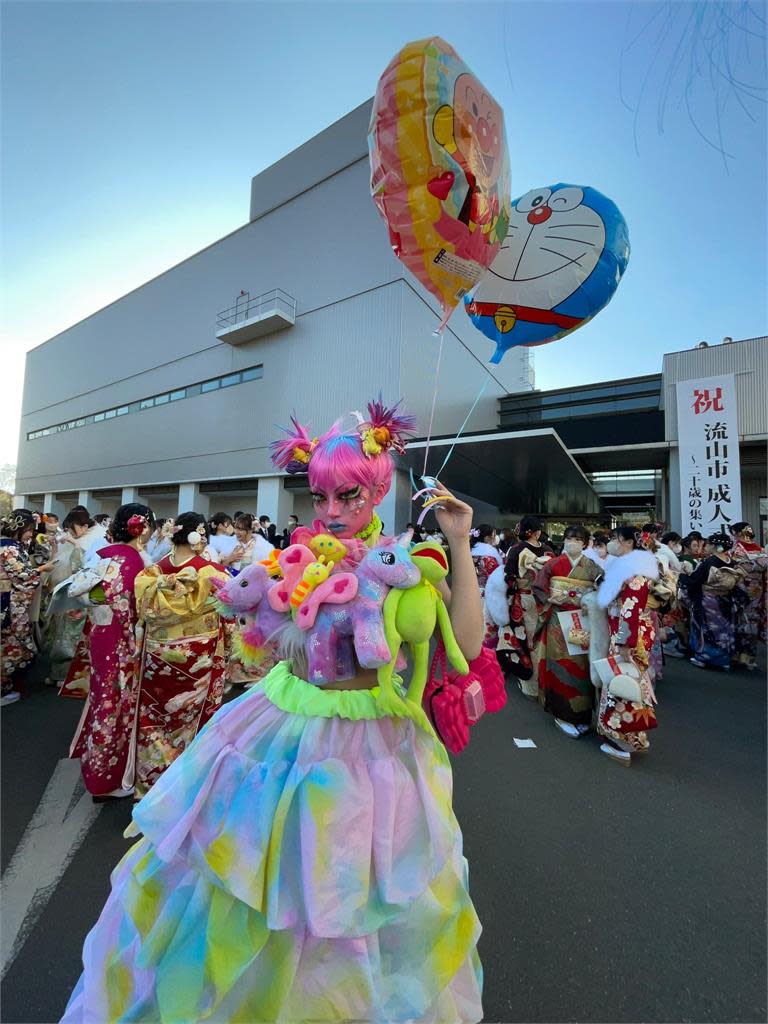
(131, 130)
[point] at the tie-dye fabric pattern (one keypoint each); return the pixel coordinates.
(293, 867)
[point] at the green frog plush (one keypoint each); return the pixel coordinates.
(411, 616)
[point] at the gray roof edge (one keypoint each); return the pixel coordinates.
(332, 150)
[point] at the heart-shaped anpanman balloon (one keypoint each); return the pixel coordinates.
(439, 168)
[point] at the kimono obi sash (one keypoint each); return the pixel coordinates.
(569, 587)
(178, 605)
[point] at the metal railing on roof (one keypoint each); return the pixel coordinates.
(249, 307)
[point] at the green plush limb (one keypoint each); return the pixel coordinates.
(452, 649)
(420, 653)
(388, 700)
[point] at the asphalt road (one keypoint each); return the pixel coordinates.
(606, 894)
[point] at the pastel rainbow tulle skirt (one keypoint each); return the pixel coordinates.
(300, 861)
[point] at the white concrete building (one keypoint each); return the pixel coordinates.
(159, 397)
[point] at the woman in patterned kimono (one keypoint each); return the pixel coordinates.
(105, 740)
(87, 536)
(565, 688)
(19, 581)
(485, 554)
(751, 626)
(514, 637)
(254, 549)
(715, 595)
(625, 723)
(181, 637)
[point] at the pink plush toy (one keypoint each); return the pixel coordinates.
(455, 702)
(384, 567)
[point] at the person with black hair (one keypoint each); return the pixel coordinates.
(597, 549)
(159, 544)
(625, 711)
(483, 546)
(562, 641)
(222, 542)
(19, 581)
(105, 737)
(716, 599)
(511, 611)
(181, 636)
(86, 536)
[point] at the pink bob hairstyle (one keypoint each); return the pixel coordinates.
(338, 457)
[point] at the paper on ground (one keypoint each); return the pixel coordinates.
(523, 743)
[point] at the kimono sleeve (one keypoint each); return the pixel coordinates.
(21, 574)
(541, 585)
(634, 597)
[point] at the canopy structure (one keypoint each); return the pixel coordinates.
(520, 471)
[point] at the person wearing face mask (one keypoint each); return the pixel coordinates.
(752, 624)
(623, 595)
(510, 608)
(597, 549)
(564, 687)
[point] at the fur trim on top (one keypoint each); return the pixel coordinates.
(623, 568)
(496, 603)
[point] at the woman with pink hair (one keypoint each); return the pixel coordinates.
(301, 859)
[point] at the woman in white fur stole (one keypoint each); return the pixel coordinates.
(623, 593)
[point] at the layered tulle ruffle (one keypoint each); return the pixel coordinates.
(292, 867)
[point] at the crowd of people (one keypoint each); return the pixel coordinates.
(152, 656)
(121, 613)
(585, 627)
(309, 826)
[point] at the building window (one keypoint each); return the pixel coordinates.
(227, 381)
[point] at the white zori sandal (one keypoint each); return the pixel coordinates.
(621, 756)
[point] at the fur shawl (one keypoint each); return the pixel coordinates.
(496, 604)
(623, 568)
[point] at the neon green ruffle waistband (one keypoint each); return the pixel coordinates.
(290, 693)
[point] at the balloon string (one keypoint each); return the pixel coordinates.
(441, 332)
(480, 394)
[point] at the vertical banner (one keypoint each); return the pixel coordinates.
(708, 438)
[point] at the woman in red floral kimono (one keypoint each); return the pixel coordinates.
(181, 637)
(19, 581)
(565, 688)
(624, 593)
(511, 609)
(105, 740)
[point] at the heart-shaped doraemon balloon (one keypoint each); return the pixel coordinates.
(566, 249)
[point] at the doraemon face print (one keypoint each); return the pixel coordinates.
(565, 251)
(553, 244)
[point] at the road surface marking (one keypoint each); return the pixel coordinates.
(57, 829)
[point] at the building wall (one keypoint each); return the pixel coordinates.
(748, 360)
(360, 328)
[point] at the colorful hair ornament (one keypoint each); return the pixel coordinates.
(294, 452)
(136, 525)
(384, 428)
